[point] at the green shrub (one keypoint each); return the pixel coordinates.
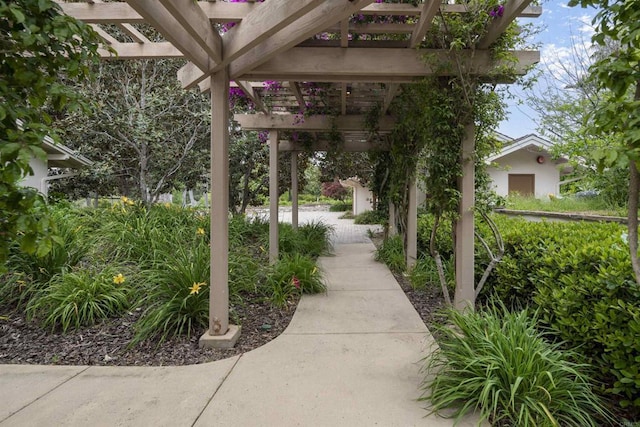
(30, 273)
(177, 295)
(391, 253)
(495, 362)
(371, 217)
(579, 277)
(133, 232)
(314, 238)
(340, 206)
(444, 242)
(293, 274)
(80, 298)
(311, 239)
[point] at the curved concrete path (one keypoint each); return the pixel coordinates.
(350, 357)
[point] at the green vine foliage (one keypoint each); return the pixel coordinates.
(432, 115)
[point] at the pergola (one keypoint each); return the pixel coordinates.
(297, 42)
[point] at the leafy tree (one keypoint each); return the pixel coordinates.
(38, 44)
(145, 132)
(564, 105)
(248, 170)
(618, 118)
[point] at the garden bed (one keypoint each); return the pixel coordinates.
(107, 343)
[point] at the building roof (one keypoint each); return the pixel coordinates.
(527, 142)
(61, 156)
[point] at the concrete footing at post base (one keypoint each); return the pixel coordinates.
(227, 340)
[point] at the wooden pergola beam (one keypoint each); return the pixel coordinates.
(295, 89)
(308, 25)
(343, 98)
(132, 32)
(311, 123)
(142, 51)
(392, 90)
(378, 64)
(108, 38)
(198, 25)
(259, 25)
(325, 145)
(252, 95)
(429, 10)
(172, 30)
(119, 12)
(512, 9)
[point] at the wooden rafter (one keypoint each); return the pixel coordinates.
(132, 32)
(313, 22)
(429, 10)
(197, 24)
(173, 31)
(252, 95)
(512, 9)
(260, 24)
(390, 93)
(312, 123)
(295, 89)
(343, 98)
(324, 145)
(142, 51)
(108, 38)
(344, 33)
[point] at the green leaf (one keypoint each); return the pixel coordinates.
(17, 13)
(44, 247)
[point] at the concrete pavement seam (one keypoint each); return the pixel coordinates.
(43, 395)
(216, 390)
(359, 333)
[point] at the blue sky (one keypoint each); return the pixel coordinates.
(560, 23)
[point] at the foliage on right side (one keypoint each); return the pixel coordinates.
(496, 362)
(579, 276)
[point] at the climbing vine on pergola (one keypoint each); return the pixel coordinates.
(356, 52)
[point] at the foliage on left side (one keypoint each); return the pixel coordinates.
(38, 44)
(125, 256)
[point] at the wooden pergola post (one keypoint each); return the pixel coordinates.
(294, 189)
(392, 219)
(273, 196)
(412, 224)
(220, 333)
(464, 245)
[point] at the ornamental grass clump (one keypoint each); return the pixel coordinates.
(177, 295)
(291, 275)
(81, 298)
(391, 253)
(497, 364)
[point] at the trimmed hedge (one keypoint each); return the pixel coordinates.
(579, 277)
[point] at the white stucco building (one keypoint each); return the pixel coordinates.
(58, 156)
(362, 196)
(525, 166)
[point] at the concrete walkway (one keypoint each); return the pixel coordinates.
(350, 357)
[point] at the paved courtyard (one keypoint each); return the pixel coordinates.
(345, 231)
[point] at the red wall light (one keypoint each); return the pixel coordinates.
(540, 159)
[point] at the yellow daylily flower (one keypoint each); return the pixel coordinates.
(195, 288)
(200, 231)
(119, 279)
